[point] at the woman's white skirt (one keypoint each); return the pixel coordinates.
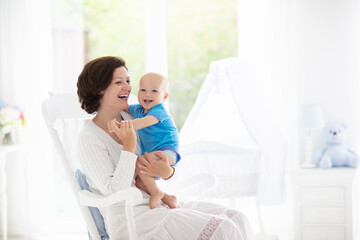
(193, 220)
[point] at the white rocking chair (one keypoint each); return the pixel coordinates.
(65, 119)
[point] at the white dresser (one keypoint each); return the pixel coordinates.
(324, 204)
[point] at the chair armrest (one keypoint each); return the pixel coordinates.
(131, 196)
(207, 180)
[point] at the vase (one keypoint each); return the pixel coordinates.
(2, 135)
(7, 139)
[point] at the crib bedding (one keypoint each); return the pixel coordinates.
(237, 169)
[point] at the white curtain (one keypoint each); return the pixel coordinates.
(266, 42)
(155, 37)
(25, 78)
(230, 122)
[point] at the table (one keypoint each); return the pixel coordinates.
(4, 150)
(324, 203)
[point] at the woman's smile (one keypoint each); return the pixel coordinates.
(125, 96)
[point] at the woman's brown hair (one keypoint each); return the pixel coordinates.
(94, 78)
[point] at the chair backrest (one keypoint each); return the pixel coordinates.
(64, 119)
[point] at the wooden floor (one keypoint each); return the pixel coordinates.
(74, 237)
(59, 237)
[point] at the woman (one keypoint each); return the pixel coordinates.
(109, 163)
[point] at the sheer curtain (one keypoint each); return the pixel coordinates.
(25, 78)
(268, 43)
(155, 37)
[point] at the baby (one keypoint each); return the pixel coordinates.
(157, 132)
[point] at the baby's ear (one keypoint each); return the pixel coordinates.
(166, 96)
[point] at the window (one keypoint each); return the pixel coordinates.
(116, 28)
(199, 32)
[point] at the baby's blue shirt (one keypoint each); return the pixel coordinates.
(160, 136)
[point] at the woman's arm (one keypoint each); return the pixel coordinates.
(152, 167)
(107, 174)
(98, 165)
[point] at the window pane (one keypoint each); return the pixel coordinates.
(199, 32)
(116, 28)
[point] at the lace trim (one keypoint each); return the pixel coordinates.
(210, 228)
(230, 213)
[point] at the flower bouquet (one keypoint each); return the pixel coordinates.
(11, 117)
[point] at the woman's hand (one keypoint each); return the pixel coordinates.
(155, 164)
(125, 132)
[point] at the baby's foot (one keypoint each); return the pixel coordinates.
(155, 198)
(170, 200)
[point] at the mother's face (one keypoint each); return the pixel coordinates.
(117, 93)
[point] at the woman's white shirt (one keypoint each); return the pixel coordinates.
(108, 168)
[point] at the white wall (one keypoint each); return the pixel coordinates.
(303, 51)
(328, 60)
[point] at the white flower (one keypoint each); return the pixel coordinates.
(6, 129)
(8, 118)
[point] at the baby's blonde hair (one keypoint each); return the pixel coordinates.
(165, 81)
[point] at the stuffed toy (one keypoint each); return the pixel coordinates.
(336, 153)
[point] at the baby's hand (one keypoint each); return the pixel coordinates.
(110, 127)
(117, 123)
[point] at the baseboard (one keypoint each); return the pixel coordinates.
(266, 237)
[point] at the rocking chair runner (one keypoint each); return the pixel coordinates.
(64, 119)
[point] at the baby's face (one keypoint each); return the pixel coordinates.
(152, 90)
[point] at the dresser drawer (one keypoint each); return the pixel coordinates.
(322, 195)
(322, 233)
(323, 215)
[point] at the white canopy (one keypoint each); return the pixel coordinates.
(231, 133)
